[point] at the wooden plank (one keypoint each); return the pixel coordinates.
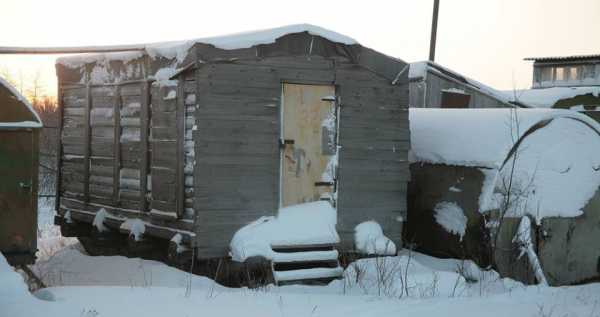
(144, 117)
(59, 150)
(180, 124)
(116, 144)
(87, 145)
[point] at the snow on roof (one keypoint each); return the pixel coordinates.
(550, 149)
(547, 97)
(420, 69)
(563, 58)
(23, 100)
(474, 137)
(178, 49)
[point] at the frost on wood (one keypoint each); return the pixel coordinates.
(178, 241)
(369, 239)
(304, 224)
(99, 220)
(136, 228)
(451, 217)
(171, 95)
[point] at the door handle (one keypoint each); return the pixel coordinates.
(25, 185)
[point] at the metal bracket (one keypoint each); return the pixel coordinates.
(324, 183)
(284, 142)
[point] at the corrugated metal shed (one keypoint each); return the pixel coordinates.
(569, 58)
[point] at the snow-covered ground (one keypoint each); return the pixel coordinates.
(410, 284)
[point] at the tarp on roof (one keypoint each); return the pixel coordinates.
(178, 49)
(15, 110)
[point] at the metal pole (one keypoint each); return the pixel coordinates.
(436, 6)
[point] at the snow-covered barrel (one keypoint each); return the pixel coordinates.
(475, 173)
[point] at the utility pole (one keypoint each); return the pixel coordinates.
(436, 7)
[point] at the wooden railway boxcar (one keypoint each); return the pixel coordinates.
(19, 128)
(199, 138)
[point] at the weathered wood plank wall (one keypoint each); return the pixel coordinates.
(375, 139)
(226, 138)
(435, 84)
(237, 153)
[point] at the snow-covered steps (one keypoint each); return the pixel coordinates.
(319, 273)
(305, 264)
(294, 257)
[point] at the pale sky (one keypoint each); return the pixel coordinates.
(482, 39)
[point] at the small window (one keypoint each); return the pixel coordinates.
(559, 73)
(589, 71)
(537, 75)
(455, 98)
(574, 73)
(546, 74)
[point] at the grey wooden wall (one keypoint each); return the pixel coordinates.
(375, 139)
(237, 154)
(224, 123)
(120, 139)
(428, 94)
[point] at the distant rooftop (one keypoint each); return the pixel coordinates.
(563, 58)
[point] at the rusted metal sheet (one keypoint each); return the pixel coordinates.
(307, 144)
(18, 192)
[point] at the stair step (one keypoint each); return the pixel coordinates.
(305, 256)
(303, 248)
(290, 266)
(307, 274)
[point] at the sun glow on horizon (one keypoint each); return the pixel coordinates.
(485, 40)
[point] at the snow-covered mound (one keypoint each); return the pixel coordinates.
(179, 49)
(416, 275)
(12, 284)
(73, 268)
(410, 284)
(303, 224)
(369, 239)
(550, 148)
(548, 97)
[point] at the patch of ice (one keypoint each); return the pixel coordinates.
(451, 217)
